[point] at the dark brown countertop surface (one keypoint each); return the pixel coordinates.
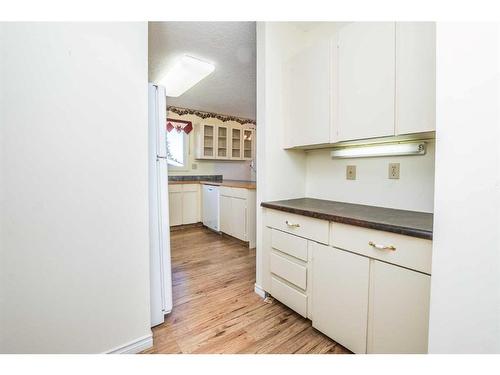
(409, 223)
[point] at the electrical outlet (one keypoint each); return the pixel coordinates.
(350, 172)
(194, 166)
(394, 171)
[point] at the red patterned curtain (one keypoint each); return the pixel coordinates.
(179, 125)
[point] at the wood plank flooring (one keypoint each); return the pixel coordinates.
(216, 309)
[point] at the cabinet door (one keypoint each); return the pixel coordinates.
(225, 214)
(365, 81)
(208, 141)
(248, 144)
(175, 208)
(190, 207)
(236, 142)
(398, 321)
(340, 296)
(239, 218)
(308, 99)
(415, 77)
(222, 142)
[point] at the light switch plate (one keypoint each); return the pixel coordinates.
(394, 171)
(350, 172)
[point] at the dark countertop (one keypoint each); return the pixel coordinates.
(409, 223)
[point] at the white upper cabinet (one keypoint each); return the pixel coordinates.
(415, 77)
(364, 81)
(226, 142)
(307, 88)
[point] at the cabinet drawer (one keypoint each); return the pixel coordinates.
(289, 270)
(314, 229)
(410, 252)
(239, 193)
(289, 244)
(234, 192)
(190, 187)
(289, 296)
(175, 188)
(226, 191)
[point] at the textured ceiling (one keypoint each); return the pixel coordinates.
(230, 89)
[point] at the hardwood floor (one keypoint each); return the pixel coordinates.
(216, 309)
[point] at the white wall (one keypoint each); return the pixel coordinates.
(465, 291)
(280, 173)
(230, 170)
(326, 179)
(74, 274)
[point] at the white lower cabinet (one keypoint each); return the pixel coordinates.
(340, 296)
(369, 306)
(225, 214)
(398, 319)
(190, 207)
(370, 299)
(237, 213)
(175, 207)
(184, 204)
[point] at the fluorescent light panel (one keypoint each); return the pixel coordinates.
(184, 74)
(394, 149)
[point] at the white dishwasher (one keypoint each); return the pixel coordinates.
(211, 207)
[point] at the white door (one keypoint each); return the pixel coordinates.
(340, 296)
(225, 214)
(415, 77)
(239, 218)
(365, 81)
(307, 90)
(399, 309)
(175, 209)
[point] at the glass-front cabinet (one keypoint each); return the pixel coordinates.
(207, 149)
(228, 142)
(222, 142)
(248, 144)
(236, 141)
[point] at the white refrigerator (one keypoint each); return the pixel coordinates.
(159, 227)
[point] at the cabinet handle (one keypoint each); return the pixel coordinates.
(382, 247)
(291, 224)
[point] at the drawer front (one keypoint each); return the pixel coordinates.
(289, 270)
(190, 187)
(239, 193)
(227, 191)
(175, 188)
(289, 296)
(314, 229)
(289, 244)
(410, 252)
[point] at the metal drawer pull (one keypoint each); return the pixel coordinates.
(382, 247)
(292, 225)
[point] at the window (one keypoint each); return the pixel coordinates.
(177, 147)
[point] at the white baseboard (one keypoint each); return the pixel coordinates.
(134, 347)
(261, 292)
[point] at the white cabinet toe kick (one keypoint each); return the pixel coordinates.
(366, 289)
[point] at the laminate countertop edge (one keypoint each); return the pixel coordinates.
(240, 184)
(407, 231)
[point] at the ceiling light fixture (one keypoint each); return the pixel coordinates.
(184, 74)
(393, 149)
